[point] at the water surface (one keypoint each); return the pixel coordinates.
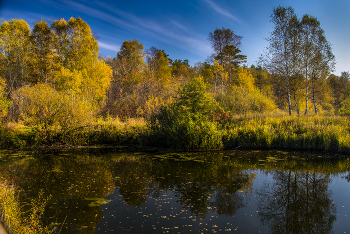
(106, 191)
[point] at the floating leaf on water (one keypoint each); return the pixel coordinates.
(242, 190)
(98, 201)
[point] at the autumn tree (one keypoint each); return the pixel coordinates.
(340, 88)
(15, 48)
(206, 70)
(181, 70)
(81, 70)
(244, 96)
(158, 66)
(45, 59)
(131, 63)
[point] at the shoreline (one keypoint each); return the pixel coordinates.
(46, 149)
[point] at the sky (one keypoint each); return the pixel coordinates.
(181, 27)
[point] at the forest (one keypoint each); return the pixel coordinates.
(56, 89)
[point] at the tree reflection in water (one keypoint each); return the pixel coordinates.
(198, 186)
(297, 202)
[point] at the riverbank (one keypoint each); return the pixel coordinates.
(325, 133)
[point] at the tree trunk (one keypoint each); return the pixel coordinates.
(288, 93)
(306, 106)
(296, 104)
(215, 82)
(313, 96)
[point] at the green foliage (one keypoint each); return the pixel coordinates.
(186, 124)
(18, 136)
(195, 98)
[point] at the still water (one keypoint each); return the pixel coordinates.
(107, 191)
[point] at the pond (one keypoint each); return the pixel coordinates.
(107, 191)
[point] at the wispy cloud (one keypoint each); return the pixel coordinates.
(97, 14)
(179, 26)
(133, 23)
(220, 10)
(111, 47)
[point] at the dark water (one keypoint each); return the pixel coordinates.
(105, 191)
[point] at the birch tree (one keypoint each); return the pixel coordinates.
(278, 59)
(15, 51)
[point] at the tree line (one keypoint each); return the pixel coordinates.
(63, 60)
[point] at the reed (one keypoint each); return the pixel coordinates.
(329, 133)
(14, 218)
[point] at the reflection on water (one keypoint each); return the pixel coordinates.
(246, 192)
(297, 202)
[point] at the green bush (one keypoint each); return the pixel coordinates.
(189, 123)
(185, 130)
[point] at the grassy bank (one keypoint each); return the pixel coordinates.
(14, 218)
(326, 133)
(110, 131)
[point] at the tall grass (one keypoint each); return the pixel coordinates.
(329, 133)
(109, 131)
(115, 131)
(15, 219)
(274, 130)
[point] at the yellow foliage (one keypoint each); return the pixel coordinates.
(91, 82)
(43, 106)
(96, 80)
(15, 48)
(66, 79)
(244, 80)
(131, 64)
(163, 71)
(4, 103)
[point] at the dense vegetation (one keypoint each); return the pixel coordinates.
(55, 88)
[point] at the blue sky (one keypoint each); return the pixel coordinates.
(181, 27)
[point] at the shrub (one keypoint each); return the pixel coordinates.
(239, 101)
(186, 130)
(186, 124)
(53, 113)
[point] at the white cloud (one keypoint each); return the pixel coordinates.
(109, 46)
(134, 23)
(163, 33)
(220, 10)
(179, 26)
